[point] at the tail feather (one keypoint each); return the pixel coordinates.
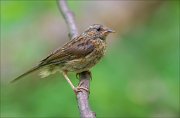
(26, 73)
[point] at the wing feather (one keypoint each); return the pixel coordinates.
(74, 49)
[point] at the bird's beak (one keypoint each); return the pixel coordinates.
(106, 32)
(110, 31)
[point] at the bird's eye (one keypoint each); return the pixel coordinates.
(98, 29)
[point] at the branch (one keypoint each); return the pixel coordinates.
(84, 77)
(82, 97)
(69, 18)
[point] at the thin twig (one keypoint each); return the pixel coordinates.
(84, 77)
(69, 18)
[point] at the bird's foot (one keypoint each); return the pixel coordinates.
(80, 89)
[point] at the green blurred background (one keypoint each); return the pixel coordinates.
(138, 77)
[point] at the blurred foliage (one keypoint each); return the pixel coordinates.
(139, 77)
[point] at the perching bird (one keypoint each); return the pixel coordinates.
(78, 55)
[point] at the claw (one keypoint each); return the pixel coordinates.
(79, 89)
(77, 76)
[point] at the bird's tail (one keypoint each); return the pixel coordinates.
(26, 73)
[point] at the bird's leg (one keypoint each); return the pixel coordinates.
(75, 89)
(68, 80)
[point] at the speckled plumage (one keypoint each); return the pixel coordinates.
(78, 55)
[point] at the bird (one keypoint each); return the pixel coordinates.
(78, 55)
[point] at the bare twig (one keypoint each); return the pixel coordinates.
(84, 77)
(69, 18)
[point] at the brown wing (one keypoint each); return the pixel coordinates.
(74, 49)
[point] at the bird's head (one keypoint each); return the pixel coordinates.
(98, 31)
